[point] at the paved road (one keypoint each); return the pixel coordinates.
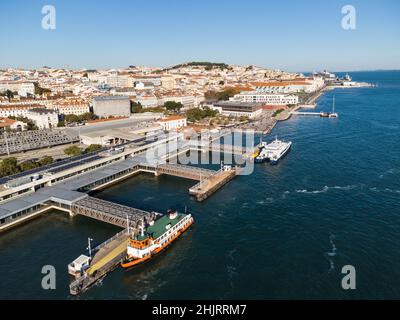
(108, 125)
(56, 152)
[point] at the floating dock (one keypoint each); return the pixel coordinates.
(109, 254)
(108, 257)
(205, 188)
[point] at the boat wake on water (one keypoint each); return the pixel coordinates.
(270, 200)
(388, 172)
(387, 190)
(326, 189)
(331, 254)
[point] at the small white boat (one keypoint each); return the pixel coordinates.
(333, 114)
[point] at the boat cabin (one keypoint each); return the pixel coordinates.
(79, 265)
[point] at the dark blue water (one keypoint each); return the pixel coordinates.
(263, 236)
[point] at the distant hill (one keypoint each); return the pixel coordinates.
(207, 65)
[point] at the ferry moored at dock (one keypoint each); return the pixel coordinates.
(273, 151)
(156, 237)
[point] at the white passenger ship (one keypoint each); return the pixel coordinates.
(273, 151)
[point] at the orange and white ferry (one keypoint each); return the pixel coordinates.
(156, 237)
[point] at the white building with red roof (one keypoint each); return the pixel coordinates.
(173, 122)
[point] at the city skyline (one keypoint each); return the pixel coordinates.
(270, 35)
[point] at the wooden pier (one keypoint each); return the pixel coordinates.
(300, 113)
(107, 257)
(209, 180)
(205, 188)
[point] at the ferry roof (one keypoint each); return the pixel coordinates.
(159, 227)
(275, 145)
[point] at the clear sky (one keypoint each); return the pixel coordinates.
(294, 35)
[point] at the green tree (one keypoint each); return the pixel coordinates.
(173, 106)
(8, 167)
(30, 125)
(196, 114)
(46, 160)
(39, 90)
(28, 165)
(9, 95)
(70, 118)
(92, 148)
(136, 107)
(221, 95)
(87, 116)
(277, 112)
(73, 151)
(209, 113)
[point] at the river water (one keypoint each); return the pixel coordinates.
(284, 232)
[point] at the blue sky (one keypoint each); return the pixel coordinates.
(294, 35)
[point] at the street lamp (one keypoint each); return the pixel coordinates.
(127, 224)
(90, 247)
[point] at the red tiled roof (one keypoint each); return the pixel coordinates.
(6, 122)
(280, 83)
(172, 118)
(273, 107)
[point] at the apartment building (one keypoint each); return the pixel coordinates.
(17, 110)
(188, 100)
(154, 79)
(119, 81)
(168, 82)
(148, 100)
(173, 122)
(238, 109)
(266, 98)
(69, 106)
(307, 85)
(22, 88)
(43, 118)
(117, 106)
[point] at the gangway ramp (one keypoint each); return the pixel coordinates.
(111, 251)
(183, 171)
(111, 212)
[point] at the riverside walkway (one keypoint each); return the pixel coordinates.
(300, 113)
